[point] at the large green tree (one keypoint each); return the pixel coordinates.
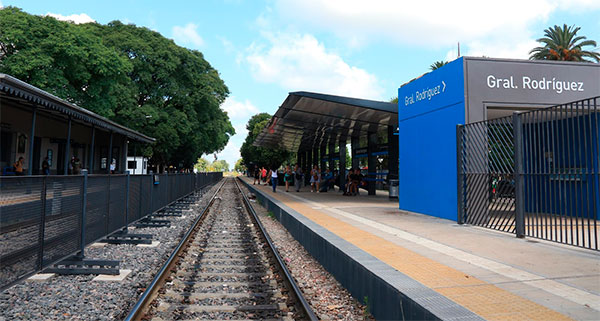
(261, 156)
(562, 43)
(65, 60)
(129, 74)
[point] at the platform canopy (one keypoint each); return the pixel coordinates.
(306, 120)
(18, 92)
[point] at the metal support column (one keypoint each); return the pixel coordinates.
(68, 148)
(331, 156)
(355, 144)
(109, 160)
(315, 159)
(92, 149)
(31, 143)
(124, 154)
(81, 254)
(392, 153)
(372, 162)
(519, 178)
(322, 157)
(342, 165)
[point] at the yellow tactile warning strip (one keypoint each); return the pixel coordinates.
(484, 299)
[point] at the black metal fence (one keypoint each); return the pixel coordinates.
(534, 173)
(41, 216)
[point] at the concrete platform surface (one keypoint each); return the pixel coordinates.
(493, 274)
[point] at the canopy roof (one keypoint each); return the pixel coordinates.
(306, 120)
(15, 89)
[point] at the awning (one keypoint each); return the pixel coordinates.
(306, 120)
(15, 88)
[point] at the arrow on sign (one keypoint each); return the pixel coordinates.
(443, 88)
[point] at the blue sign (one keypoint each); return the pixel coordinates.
(437, 89)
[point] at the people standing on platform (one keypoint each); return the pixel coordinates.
(76, 166)
(70, 170)
(263, 173)
(274, 178)
(46, 166)
(256, 175)
(288, 178)
(298, 177)
(315, 179)
(113, 166)
(18, 165)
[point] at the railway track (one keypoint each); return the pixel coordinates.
(225, 268)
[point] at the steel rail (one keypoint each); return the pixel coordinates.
(282, 267)
(149, 294)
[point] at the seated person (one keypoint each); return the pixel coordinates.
(326, 181)
(349, 182)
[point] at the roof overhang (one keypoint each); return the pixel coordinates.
(306, 120)
(13, 87)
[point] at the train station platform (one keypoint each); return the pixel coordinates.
(414, 266)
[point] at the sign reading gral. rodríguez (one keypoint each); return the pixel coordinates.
(531, 83)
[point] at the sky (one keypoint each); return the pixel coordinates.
(264, 49)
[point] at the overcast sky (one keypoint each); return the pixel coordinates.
(358, 48)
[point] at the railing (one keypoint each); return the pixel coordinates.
(41, 216)
(534, 174)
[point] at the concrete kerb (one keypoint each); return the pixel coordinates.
(390, 294)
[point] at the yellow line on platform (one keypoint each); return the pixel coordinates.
(482, 298)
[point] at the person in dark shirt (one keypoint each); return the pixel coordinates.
(256, 175)
(46, 166)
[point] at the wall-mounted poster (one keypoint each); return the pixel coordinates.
(21, 143)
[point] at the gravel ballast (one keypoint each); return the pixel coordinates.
(77, 297)
(327, 297)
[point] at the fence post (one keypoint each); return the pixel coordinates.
(519, 178)
(83, 214)
(459, 177)
(126, 229)
(42, 230)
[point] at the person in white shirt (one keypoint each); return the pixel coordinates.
(274, 179)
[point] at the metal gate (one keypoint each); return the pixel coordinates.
(534, 173)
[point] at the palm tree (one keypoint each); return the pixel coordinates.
(564, 44)
(437, 64)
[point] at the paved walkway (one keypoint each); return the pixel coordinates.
(493, 274)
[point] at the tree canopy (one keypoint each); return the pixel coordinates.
(239, 166)
(203, 165)
(562, 43)
(129, 74)
(261, 156)
(437, 64)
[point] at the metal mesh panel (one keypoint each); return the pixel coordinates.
(146, 195)
(534, 174)
(560, 169)
(116, 212)
(20, 221)
(97, 207)
(487, 173)
(134, 198)
(64, 198)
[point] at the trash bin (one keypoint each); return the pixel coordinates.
(393, 188)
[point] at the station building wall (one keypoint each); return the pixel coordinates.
(429, 109)
(467, 90)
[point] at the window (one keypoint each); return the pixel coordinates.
(132, 164)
